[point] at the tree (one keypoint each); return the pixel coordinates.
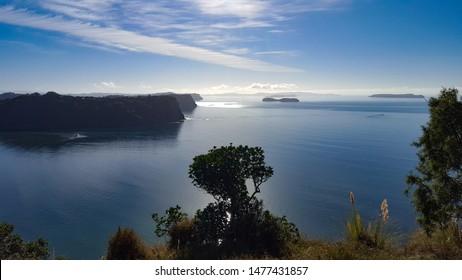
(437, 197)
(13, 247)
(224, 173)
(236, 223)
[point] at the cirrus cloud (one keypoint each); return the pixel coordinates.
(200, 30)
(132, 41)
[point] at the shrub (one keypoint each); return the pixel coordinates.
(13, 247)
(373, 235)
(127, 245)
(182, 234)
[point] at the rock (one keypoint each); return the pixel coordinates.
(185, 101)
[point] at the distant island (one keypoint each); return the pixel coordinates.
(52, 111)
(405, 95)
(272, 99)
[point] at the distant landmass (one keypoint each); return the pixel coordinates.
(186, 101)
(8, 95)
(406, 95)
(272, 99)
(52, 111)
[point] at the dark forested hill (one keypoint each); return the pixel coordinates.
(53, 112)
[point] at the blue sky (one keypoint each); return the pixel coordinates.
(218, 46)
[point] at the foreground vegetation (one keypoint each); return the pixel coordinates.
(360, 243)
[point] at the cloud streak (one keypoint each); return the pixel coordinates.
(253, 88)
(201, 30)
(132, 41)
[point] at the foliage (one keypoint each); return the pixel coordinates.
(173, 215)
(313, 249)
(437, 197)
(445, 244)
(236, 223)
(275, 234)
(127, 245)
(223, 173)
(212, 222)
(183, 234)
(13, 247)
(373, 235)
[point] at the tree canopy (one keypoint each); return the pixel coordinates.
(224, 172)
(13, 247)
(438, 177)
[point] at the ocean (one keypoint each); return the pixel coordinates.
(75, 188)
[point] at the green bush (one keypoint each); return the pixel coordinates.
(13, 247)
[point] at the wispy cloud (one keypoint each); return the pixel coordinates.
(200, 30)
(108, 85)
(123, 39)
(278, 53)
(236, 8)
(268, 86)
(253, 88)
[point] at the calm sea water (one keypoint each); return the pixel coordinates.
(75, 188)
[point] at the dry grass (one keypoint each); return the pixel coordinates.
(443, 245)
(163, 252)
(439, 247)
(309, 249)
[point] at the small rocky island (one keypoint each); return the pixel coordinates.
(405, 95)
(285, 99)
(52, 111)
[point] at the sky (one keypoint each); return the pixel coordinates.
(225, 46)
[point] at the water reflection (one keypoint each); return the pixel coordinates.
(55, 141)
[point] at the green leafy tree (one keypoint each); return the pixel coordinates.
(177, 226)
(173, 216)
(13, 247)
(236, 222)
(437, 181)
(224, 172)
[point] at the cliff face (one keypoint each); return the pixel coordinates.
(53, 112)
(185, 101)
